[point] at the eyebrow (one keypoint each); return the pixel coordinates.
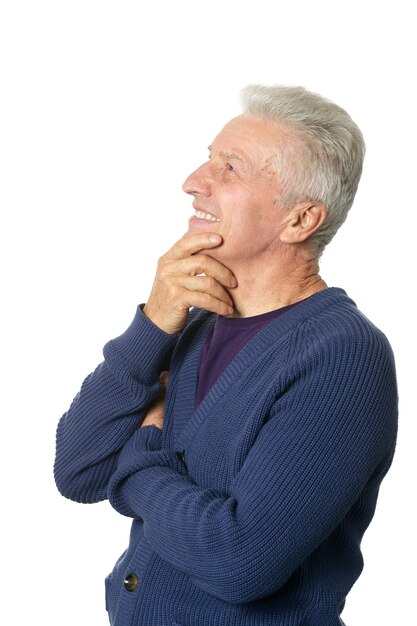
(227, 155)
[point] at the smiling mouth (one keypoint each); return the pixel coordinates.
(202, 215)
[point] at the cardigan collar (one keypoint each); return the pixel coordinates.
(184, 365)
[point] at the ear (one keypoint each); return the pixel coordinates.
(302, 221)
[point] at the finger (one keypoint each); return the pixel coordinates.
(163, 379)
(207, 284)
(208, 302)
(205, 264)
(153, 418)
(190, 244)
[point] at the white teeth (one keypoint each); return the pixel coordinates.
(206, 216)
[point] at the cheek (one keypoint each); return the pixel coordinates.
(247, 218)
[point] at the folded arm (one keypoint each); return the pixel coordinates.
(109, 408)
(301, 478)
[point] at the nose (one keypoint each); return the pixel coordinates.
(199, 182)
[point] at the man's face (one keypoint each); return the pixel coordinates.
(235, 191)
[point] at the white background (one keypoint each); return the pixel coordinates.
(105, 108)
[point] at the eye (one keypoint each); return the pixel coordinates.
(230, 167)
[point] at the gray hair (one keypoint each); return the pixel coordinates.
(323, 162)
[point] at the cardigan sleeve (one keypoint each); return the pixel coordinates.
(329, 438)
(109, 409)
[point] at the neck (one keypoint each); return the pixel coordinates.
(290, 279)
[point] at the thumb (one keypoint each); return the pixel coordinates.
(163, 379)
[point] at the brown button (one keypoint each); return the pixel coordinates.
(181, 457)
(131, 582)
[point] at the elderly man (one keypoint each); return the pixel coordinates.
(251, 483)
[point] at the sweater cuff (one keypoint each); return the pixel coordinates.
(146, 439)
(133, 464)
(143, 349)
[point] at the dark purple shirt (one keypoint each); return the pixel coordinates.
(227, 336)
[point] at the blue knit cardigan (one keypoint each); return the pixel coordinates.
(250, 509)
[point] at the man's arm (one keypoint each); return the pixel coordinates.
(108, 410)
(113, 399)
(323, 445)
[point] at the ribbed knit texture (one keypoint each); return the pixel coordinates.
(262, 523)
(227, 336)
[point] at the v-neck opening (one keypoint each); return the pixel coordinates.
(262, 340)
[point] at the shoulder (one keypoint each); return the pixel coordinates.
(337, 342)
(340, 323)
(340, 356)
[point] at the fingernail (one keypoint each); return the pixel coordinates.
(215, 238)
(233, 282)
